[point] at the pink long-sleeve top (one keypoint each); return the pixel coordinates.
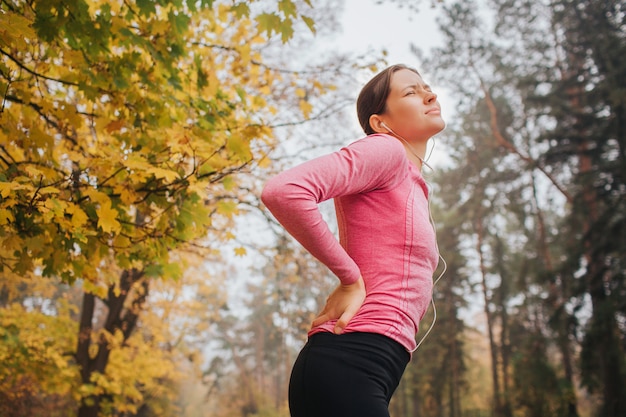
(385, 235)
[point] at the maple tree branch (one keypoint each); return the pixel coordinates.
(44, 116)
(324, 114)
(130, 7)
(9, 155)
(7, 163)
(33, 72)
(47, 166)
(255, 62)
(218, 175)
(6, 93)
(8, 262)
(9, 5)
(120, 169)
(39, 187)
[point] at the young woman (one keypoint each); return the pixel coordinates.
(361, 342)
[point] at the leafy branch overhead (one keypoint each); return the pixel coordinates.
(122, 124)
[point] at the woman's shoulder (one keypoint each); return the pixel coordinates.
(380, 147)
(379, 158)
(379, 142)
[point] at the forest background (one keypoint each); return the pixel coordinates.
(140, 274)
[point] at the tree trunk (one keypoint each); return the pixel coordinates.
(414, 398)
(505, 348)
(497, 403)
(454, 376)
(454, 368)
(88, 407)
(117, 319)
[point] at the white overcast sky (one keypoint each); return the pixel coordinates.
(368, 24)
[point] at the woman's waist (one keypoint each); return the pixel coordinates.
(398, 320)
(388, 260)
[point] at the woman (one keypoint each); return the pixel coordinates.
(361, 342)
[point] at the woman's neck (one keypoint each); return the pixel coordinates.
(416, 153)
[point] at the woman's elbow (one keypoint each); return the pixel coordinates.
(270, 194)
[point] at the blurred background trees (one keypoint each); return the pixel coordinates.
(140, 274)
(538, 185)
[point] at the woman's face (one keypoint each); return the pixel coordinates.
(412, 109)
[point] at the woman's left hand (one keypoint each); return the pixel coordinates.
(342, 304)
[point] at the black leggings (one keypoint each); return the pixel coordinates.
(348, 375)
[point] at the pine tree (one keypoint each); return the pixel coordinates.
(589, 100)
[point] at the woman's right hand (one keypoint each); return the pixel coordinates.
(342, 304)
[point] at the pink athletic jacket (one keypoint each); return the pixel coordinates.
(385, 235)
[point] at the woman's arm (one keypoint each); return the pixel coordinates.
(373, 163)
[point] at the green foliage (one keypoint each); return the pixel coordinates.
(538, 389)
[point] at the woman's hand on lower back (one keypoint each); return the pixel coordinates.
(342, 304)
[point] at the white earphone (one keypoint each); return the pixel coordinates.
(382, 124)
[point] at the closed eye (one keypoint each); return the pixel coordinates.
(415, 88)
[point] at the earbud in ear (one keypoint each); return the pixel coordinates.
(382, 124)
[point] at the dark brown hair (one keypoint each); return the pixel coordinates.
(373, 97)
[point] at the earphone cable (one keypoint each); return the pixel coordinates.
(443, 271)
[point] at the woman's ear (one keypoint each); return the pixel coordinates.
(377, 124)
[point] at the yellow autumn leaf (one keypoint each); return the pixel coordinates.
(259, 102)
(49, 190)
(79, 218)
(53, 209)
(199, 188)
(6, 217)
(264, 162)
(127, 196)
(76, 57)
(306, 108)
(15, 29)
(244, 54)
(7, 187)
(107, 218)
(227, 208)
(240, 251)
(97, 196)
(136, 163)
(12, 242)
(95, 288)
(213, 84)
(165, 174)
(159, 27)
(39, 138)
(121, 242)
(16, 25)
(239, 146)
